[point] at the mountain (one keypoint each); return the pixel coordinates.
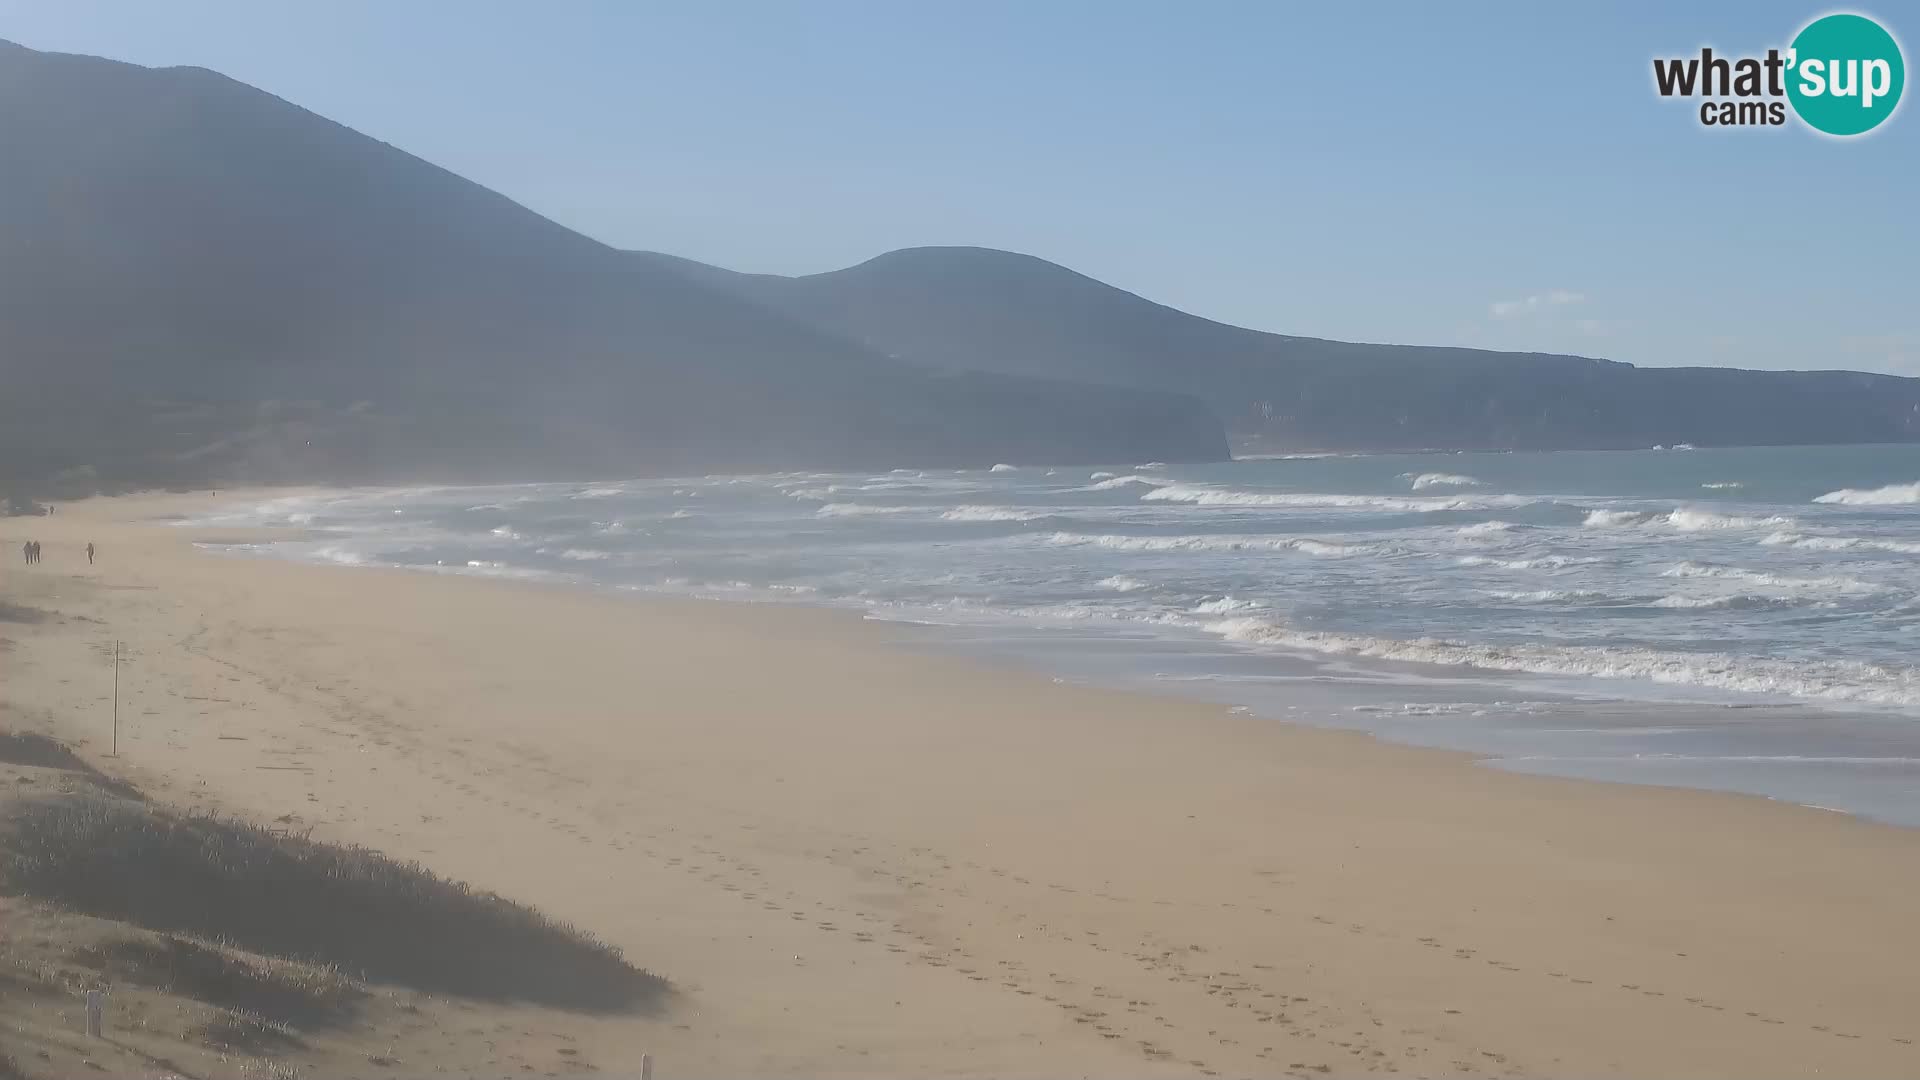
(200, 281)
(979, 309)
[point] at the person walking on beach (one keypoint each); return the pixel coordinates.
(89, 553)
(36, 553)
(26, 552)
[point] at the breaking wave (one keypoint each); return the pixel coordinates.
(990, 513)
(1839, 543)
(1305, 545)
(1553, 596)
(1108, 481)
(863, 510)
(1761, 577)
(1683, 519)
(1891, 495)
(1423, 481)
(1541, 562)
(1832, 680)
(1226, 605)
(1211, 496)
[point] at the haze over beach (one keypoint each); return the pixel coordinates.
(1023, 541)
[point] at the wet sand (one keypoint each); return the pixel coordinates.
(860, 859)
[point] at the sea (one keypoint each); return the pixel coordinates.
(1731, 619)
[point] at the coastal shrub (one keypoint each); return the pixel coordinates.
(244, 1032)
(38, 751)
(280, 991)
(20, 613)
(273, 893)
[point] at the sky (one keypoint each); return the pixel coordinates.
(1486, 174)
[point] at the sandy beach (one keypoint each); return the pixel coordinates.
(858, 859)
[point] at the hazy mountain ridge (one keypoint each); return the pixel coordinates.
(200, 281)
(998, 311)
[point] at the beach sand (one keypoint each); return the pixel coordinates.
(854, 858)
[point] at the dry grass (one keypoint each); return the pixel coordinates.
(38, 751)
(243, 1032)
(347, 908)
(278, 992)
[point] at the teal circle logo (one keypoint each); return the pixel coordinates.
(1845, 74)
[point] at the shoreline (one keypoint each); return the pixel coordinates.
(1827, 754)
(862, 858)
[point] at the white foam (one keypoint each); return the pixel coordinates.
(1891, 495)
(1725, 485)
(1423, 481)
(862, 510)
(1220, 543)
(1552, 596)
(600, 493)
(1540, 562)
(1200, 495)
(585, 555)
(1487, 528)
(1682, 602)
(1100, 476)
(1839, 543)
(1688, 520)
(1002, 467)
(1830, 680)
(1764, 578)
(1609, 519)
(991, 513)
(342, 555)
(1121, 583)
(1111, 482)
(1226, 605)
(1683, 519)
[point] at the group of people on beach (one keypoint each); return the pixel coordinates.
(31, 552)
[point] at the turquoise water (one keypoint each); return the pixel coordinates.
(1546, 608)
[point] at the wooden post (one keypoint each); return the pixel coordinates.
(95, 1006)
(646, 1067)
(116, 697)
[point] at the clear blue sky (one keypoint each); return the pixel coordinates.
(1498, 175)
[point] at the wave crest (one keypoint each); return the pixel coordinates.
(1303, 544)
(1891, 495)
(1834, 680)
(1684, 519)
(1210, 496)
(1422, 481)
(990, 513)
